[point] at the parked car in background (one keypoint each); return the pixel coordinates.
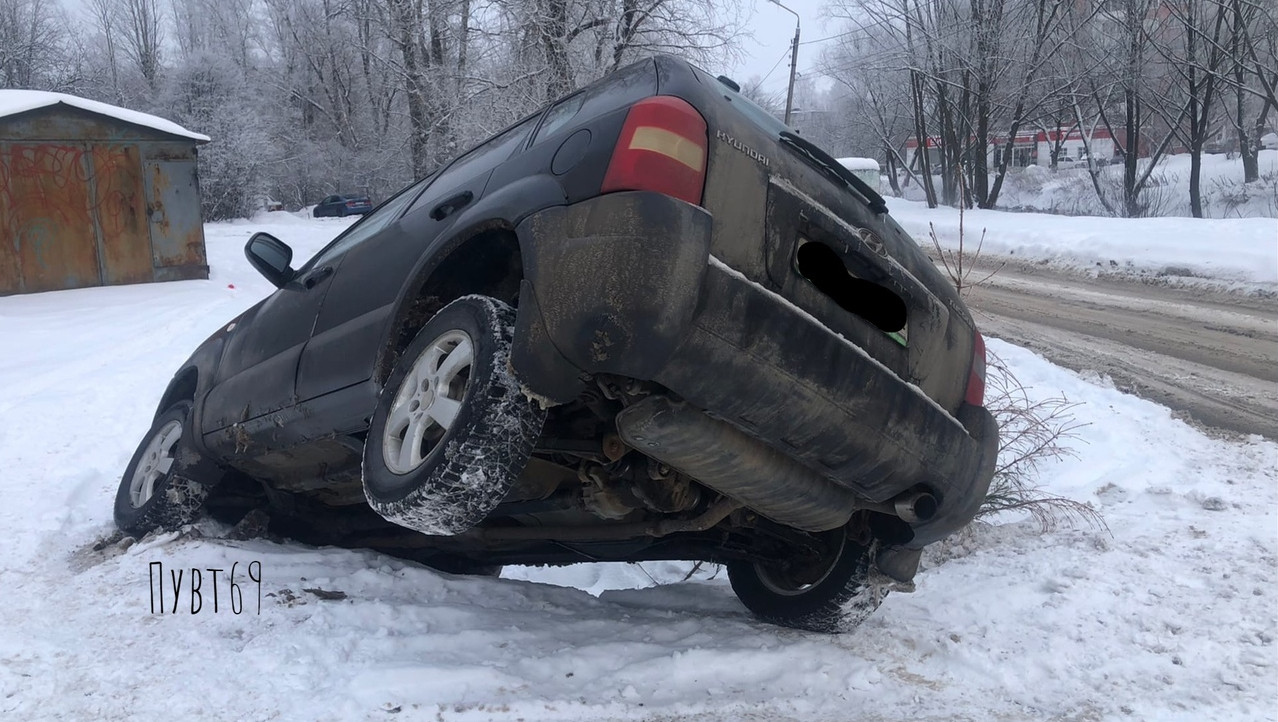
(1066, 161)
(341, 206)
(867, 169)
(647, 322)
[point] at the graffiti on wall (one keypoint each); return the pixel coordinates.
(71, 215)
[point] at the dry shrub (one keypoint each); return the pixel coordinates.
(1031, 433)
(1229, 197)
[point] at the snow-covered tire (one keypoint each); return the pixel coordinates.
(452, 430)
(165, 484)
(841, 594)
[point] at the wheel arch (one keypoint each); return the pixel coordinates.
(484, 258)
(181, 388)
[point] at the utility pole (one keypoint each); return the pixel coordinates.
(794, 61)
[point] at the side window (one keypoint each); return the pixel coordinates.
(615, 90)
(385, 215)
(559, 115)
(492, 153)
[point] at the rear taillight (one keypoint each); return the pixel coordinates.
(976, 377)
(662, 148)
(351, 204)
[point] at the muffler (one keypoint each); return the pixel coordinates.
(736, 465)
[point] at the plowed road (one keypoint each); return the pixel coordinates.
(1211, 356)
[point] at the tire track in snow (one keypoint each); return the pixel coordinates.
(1212, 356)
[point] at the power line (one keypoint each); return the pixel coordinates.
(775, 66)
(831, 37)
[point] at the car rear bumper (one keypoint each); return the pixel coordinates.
(625, 284)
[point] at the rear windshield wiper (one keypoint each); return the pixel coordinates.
(822, 160)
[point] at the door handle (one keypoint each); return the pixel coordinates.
(452, 205)
(317, 275)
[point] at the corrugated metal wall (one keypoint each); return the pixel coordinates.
(111, 204)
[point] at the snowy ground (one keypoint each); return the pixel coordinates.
(1170, 614)
(1070, 190)
(1236, 253)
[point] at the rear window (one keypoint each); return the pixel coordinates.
(560, 115)
(618, 89)
(757, 115)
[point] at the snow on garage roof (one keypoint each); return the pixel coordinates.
(859, 163)
(13, 102)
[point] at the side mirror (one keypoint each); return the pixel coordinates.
(271, 257)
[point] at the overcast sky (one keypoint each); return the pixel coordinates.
(768, 53)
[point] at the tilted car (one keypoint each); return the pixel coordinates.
(342, 206)
(648, 321)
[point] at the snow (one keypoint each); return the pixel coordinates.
(1070, 191)
(1170, 614)
(1237, 250)
(13, 102)
(859, 163)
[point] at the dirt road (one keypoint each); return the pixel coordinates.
(1211, 356)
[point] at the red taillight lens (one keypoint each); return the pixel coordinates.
(976, 377)
(662, 148)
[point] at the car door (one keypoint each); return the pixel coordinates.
(259, 363)
(258, 372)
(361, 302)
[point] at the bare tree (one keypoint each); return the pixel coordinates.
(1149, 103)
(30, 42)
(1192, 50)
(1253, 51)
(105, 17)
(141, 31)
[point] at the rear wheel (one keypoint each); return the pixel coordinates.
(452, 430)
(832, 592)
(165, 484)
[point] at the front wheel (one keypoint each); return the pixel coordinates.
(165, 484)
(830, 593)
(452, 430)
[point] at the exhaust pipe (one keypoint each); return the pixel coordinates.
(915, 506)
(731, 462)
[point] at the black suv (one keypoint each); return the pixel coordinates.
(647, 322)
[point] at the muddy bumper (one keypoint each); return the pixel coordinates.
(625, 284)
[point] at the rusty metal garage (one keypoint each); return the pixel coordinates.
(92, 194)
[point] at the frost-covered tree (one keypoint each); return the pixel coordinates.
(32, 49)
(303, 98)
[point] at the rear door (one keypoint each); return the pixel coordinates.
(361, 302)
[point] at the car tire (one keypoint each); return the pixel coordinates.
(167, 480)
(452, 430)
(842, 592)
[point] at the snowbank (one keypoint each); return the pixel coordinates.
(1169, 615)
(1069, 191)
(1243, 250)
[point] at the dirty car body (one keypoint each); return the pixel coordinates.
(729, 350)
